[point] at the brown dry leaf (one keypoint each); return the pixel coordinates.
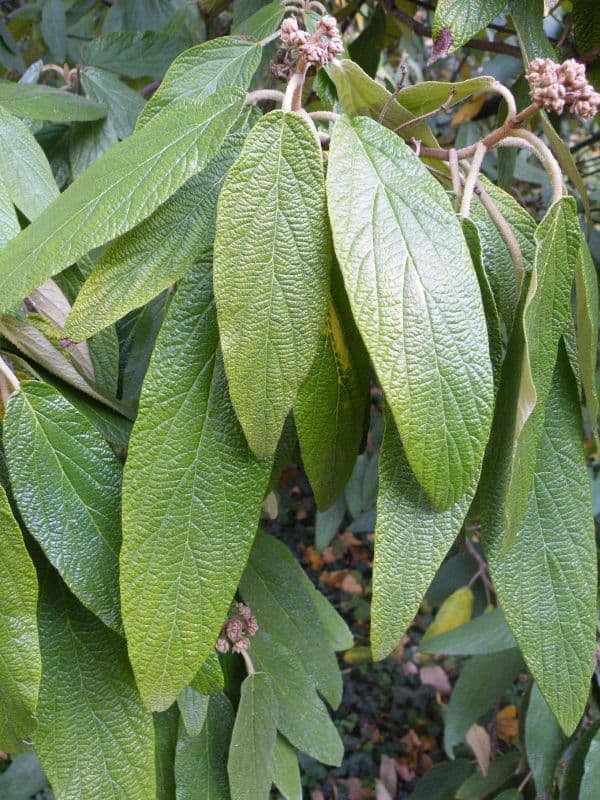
(313, 558)
(329, 556)
(356, 791)
(350, 540)
(342, 579)
(507, 723)
(436, 677)
(478, 740)
(317, 795)
(387, 785)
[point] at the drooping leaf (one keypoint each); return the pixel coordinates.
(302, 715)
(66, 482)
(94, 737)
(546, 314)
(20, 666)
(411, 540)
(286, 773)
(209, 678)
(187, 452)
(544, 742)
(333, 401)
(156, 253)
(193, 707)
(43, 102)
(24, 167)
(482, 682)
(271, 274)
(253, 740)
(120, 190)
(586, 283)
(487, 633)
(463, 19)
(426, 96)
(547, 595)
(201, 761)
(135, 54)
(429, 342)
(272, 586)
(202, 70)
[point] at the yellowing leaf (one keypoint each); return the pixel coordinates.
(455, 611)
(468, 111)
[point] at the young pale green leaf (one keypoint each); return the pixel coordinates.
(271, 274)
(586, 284)
(43, 102)
(201, 761)
(193, 707)
(25, 168)
(202, 70)
(166, 725)
(9, 223)
(156, 253)
(411, 540)
(117, 192)
(487, 633)
(286, 773)
(545, 577)
(94, 737)
(457, 21)
(544, 742)
(416, 302)
(272, 586)
(20, 665)
(135, 54)
(303, 717)
(209, 678)
(546, 314)
(591, 773)
(333, 401)
(184, 552)
(66, 482)
(250, 763)
(482, 682)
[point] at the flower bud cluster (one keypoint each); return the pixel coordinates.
(554, 86)
(320, 48)
(236, 631)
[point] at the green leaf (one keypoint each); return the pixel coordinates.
(272, 586)
(544, 742)
(66, 482)
(591, 774)
(549, 597)
(271, 273)
(183, 553)
(262, 23)
(133, 54)
(586, 284)
(576, 764)
(464, 18)
(201, 761)
(333, 401)
(487, 633)
(139, 331)
(500, 770)
(209, 678)
(202, 70)
(94, 738)
(337, 631)
(193, 707)
(327, 523)
(546, 314)
(25, 168)
(302, 717)
(482, 682)
(54, 28)
(166, 726)
(20, 666)
(365, 50)
(429, 344)
(156, 253)
(9, 224)
(43, 102)
(426, 96)
(23, 779)
(253, 740)
(411, 541)
(442, 781)
(286, 773)
(134, 15)
(117, 192)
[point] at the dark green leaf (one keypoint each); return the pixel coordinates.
(429, 346)
(487, 633)
(500, 770)
(544, 742)
(262, 23)
(591, 775)
(253, 740)
(271, 274)
(442, 781)
(66, 482)
(166, 725)
(365, 50)
(120, 190)
(286, 773)
(44, 102)
(327, 523)
(586, 283)
(193, 707)
(209, 678)
(133, 54)
(187, 452)
(54, 28)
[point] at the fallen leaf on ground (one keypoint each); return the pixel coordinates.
(436, 677)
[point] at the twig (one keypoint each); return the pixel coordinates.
(249, 665)
(292, 100)
(252, 98)
(324, 116)
(149, 88)
(482, 571)
(473, 174)
(10, 376)
(394, 95)
(528, 140)
(443, 107)
(525, 781)
(506, 232)
(455, 173)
